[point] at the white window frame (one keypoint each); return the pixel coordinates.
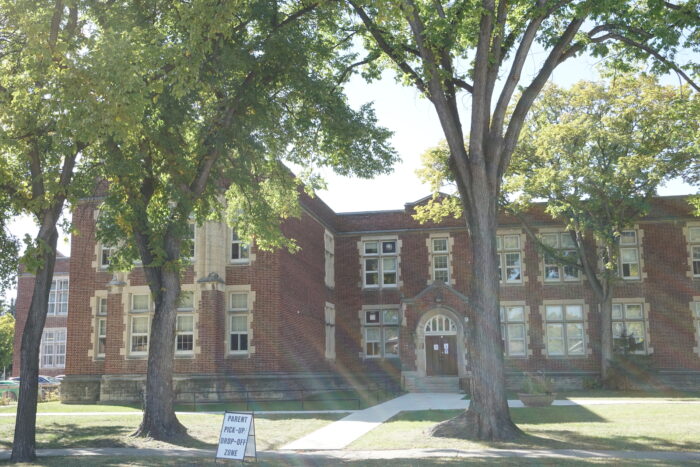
(694, 250)
(238, 312)
(185, 311)
(58, 297)
(563, 324)
(329, 313)
(507, 327)
(329, 258)
(192, 234)
(53, 348)
(139, 314)
(101, 336)
(105, 253)
(621, 317)
(243, 249)
(380, 256)
(436, 254)
(382, 326)
(558, 241)
(695, 312)
(503, 252)
(630, 246)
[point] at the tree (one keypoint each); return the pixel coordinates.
(213, 98)
(445, 49)
(45, 123)
(596, 153)
(7, 336)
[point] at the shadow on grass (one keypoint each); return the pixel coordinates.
(555, 414)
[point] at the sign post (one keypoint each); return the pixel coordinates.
(237, 438)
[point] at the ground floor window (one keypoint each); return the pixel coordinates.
(184, 334)
(53, 348)
(564, 328)
(140, 329)
(513, 331)
(238, 342)
(101, 337)
(381, 333)
(629, 328)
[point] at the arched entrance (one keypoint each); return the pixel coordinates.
(441, 346)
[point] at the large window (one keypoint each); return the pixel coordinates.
(380, 260)
(184, 325)
(629, 328)
(554, 271)
(564, 328)
(694, 243)
(58, 297)
(509, 258)
(513, 331)
(240, 251)
(381, 333)
(140, 324)
(440, 259)
(53, 348)
(629, 255)
(238, 323)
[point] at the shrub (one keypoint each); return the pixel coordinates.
(538, 383)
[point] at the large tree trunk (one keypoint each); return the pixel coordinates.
(606, 339)
(24, 444)
(487, 417)
(159, 419)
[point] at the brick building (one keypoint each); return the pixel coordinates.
(375, 294)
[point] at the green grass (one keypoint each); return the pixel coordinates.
(607, 427)
(203, 431)
(113, 461)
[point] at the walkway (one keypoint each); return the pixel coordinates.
(332, 457)
(338, 435)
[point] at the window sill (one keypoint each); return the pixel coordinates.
(185, 356)
(234, 262)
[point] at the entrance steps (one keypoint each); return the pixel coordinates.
(432, 384)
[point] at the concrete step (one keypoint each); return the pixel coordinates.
(433, 384)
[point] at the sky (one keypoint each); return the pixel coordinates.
(416, 128)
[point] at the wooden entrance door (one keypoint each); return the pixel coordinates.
(441, 355)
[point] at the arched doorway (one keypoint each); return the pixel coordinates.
(441, 346)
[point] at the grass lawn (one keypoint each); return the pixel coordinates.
(613, 427)
(203, 430)
(183, 461)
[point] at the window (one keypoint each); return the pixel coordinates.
(629, 255)
(696, 323)
(513, 331)
(509, 258)
(191, 240)
(380, 263)
(381, 332)
(184, 325)
(140, 324)
(440, 259)
(553, 270)
(101, 306)
(238, 323)
(101, 327)
(694, 241)
(240, 251)
(58, 297)
(330, 331)
(105, 253)
(329, 252)
(564, 330)
(53, 348)
(628, 328)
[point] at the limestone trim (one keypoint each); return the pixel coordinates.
(450, 248)
(690, 244)
(526, 312)
(419, 339)
(586, 340)
(646, 308)
(250, 317)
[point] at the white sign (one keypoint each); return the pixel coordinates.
(237, 438)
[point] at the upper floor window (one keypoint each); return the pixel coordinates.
(329, 258)
(554, 271)
(240, 251)
(381, 333)
(629, 328)
(564, 328)
(509, 258)
(440, 259)
(191, 240)
(629, 254)
(513, 331)
(694, 241)
(380, 263)
(58, 297)
(105, 253)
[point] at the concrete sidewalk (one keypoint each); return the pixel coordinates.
(333, 457)
(339, 434)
